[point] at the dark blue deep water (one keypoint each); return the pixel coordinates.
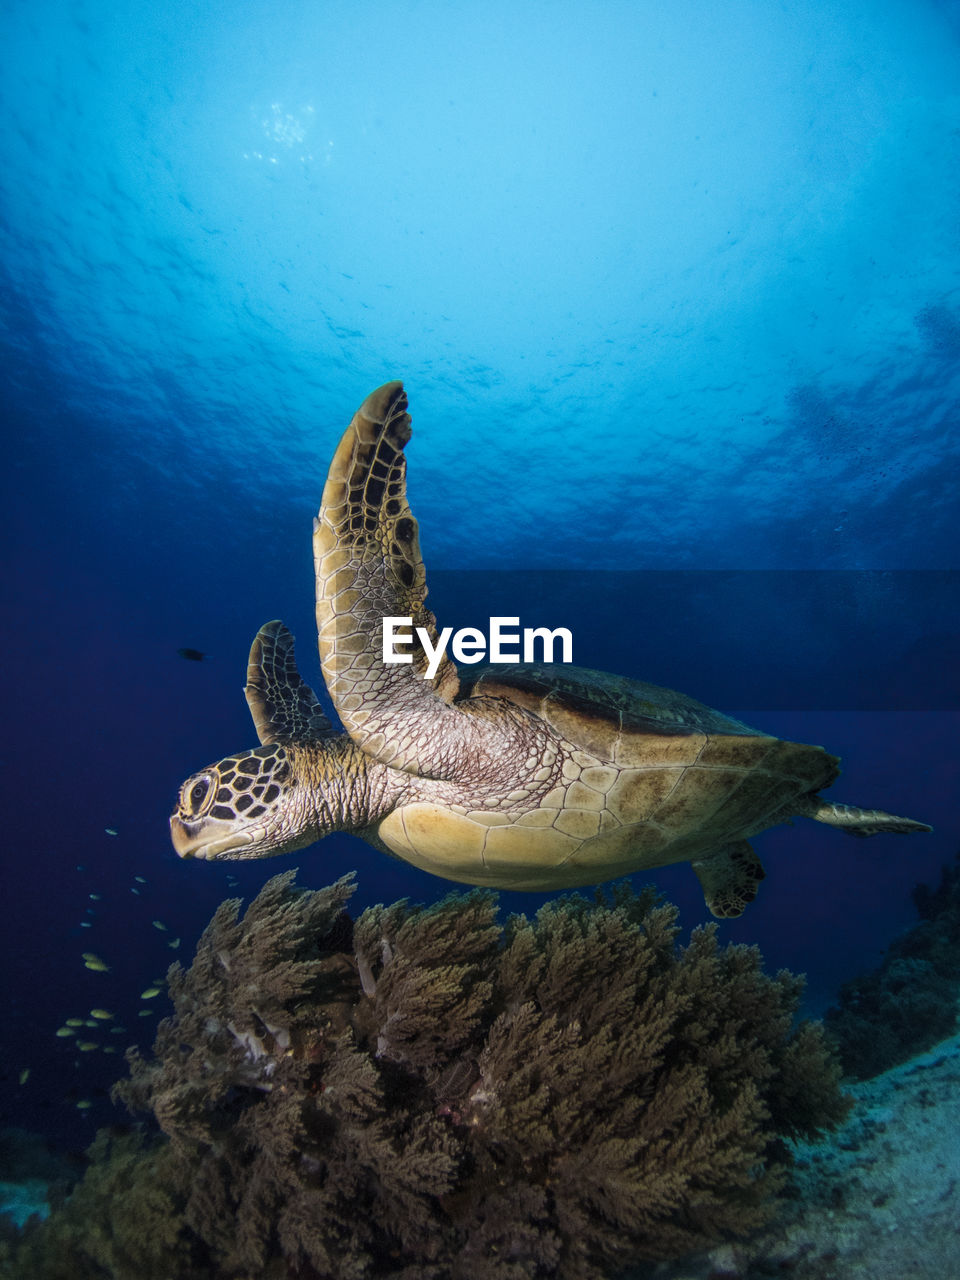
(675, 293)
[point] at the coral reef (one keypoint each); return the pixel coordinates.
(878, 1201)
(122, 1220)
(909, 1002)
(31, 1174)
(430, 1095)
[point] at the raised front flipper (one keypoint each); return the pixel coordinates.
(368, 565)
(283, 706)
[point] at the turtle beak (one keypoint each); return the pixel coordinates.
(211, 839)
(184, 842)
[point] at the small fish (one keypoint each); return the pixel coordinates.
(117, 1031)
(96, 964)
(136, 891)
(89, 1022)
(109, 1048)
(85, 1046)
(95, 897)
(174, 944)
(158, 924)
(149, 993)
(145, 1013)
(84, 1104)
(24, 1075)
(66, 1031)
(74, 1022)
(140, 879)
(85, 924)
(102, 1014)
(193, 655)
(111, 831)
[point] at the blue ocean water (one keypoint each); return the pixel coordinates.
(674, 292)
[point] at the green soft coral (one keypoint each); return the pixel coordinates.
(429, 1095)
(122, 1220)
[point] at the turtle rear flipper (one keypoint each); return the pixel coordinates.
(729, 878)
(856, 822)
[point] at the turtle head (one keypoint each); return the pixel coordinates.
(252, 805)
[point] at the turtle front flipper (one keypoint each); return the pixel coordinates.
(368, 566)
(283, 706)
(729, 878)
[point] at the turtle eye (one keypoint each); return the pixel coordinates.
(196, 797)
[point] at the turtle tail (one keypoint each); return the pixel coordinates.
(854, 821)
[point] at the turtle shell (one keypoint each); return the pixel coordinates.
(595, 709)
(651, 777)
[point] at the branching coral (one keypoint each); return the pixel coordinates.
(282, 1125)
(638, 1087)
(428, 975)
(430, 1096)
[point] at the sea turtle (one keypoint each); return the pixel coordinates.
(520, 777)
